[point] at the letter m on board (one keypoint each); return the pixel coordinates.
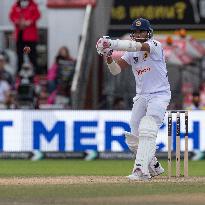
(39, 130)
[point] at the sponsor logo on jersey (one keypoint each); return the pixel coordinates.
(143, 70)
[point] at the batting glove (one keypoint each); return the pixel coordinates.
(103, 46)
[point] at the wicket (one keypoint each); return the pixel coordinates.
(178, 157)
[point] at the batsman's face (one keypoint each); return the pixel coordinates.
(140, 36)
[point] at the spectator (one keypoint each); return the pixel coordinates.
(42, 100)
(24, 15)
(196, 104)
(4, 91)
(187, 100)
(61, 72)
(11, 101)
(119, 104)
(26, 74)
(25, 87)
(10, 61)
(202, 95)
(5, 75)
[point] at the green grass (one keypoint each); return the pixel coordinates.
(91, 194)
(10, 168)
(97, 190)
(64, 193)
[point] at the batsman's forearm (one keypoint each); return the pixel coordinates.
(125, 45)
(113, 66)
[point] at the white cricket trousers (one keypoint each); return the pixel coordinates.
(154, 105)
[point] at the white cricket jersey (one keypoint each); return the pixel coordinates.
(149, 69)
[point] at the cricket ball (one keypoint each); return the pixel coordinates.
(26, 50)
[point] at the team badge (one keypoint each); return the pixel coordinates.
(145, 56)
(138, 23)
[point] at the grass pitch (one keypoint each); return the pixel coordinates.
(62, 182)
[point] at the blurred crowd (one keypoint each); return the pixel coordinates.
(191, 97)
(24, 85)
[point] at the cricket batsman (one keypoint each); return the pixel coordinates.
(146, 58)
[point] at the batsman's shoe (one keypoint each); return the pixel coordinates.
(138, 175)
(155, 167)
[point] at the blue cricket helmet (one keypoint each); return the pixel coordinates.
(142, 25)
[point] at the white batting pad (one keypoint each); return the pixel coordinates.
(148, 127)
(147, 142)
(132, 141)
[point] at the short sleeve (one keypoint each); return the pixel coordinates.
(126, 57)
(156, 52)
